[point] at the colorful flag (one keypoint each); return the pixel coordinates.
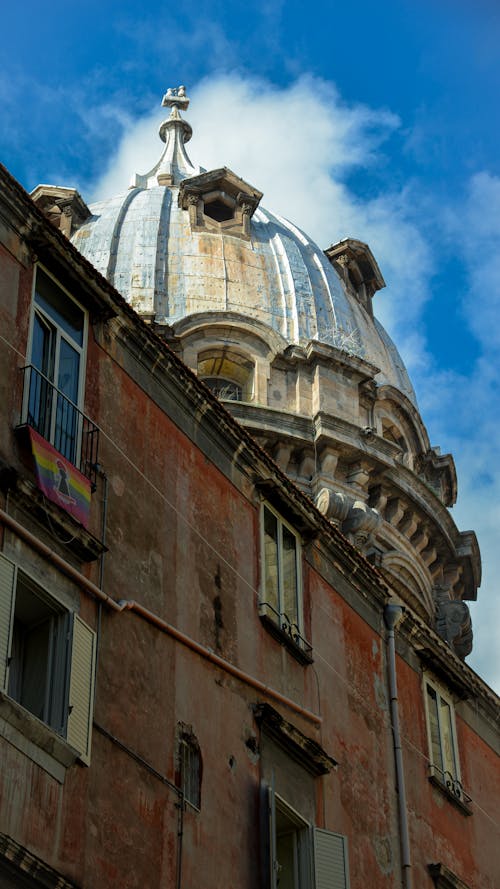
(59, 480)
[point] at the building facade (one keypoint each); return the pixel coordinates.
(233, 601)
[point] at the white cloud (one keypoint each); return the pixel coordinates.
(300, 145)
(465, 409)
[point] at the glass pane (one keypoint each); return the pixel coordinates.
(65, 435)
(69, 368)
(289, 560)
(432, 706)
(287, 860)
(43, 346)
(35, 669)
(447, 738)
(40, 403)
(40, 399)
(59, 306)
(226, 390)
(190, 765)
(271, 559)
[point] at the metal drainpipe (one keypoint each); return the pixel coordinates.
(393, 615)
(154, 619)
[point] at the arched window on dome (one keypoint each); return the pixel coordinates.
(227, 373)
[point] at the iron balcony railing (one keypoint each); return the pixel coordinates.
(286, 625)
(451, 783)
(57, 419)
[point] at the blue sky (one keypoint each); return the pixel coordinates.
(375, 120)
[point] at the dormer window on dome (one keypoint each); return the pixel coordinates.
(219, 201)
(357, 266)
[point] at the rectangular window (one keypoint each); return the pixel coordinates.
(55, 390)
(443, 750)
(54, 377)
(190, 768)
(47, 657)
(281, 600)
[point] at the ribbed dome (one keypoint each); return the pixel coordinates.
(283, 332)
(144, 242)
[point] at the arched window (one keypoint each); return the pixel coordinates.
(227, 373)
(226, 390)
(189, 766)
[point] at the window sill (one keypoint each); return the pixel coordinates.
(35, 739)
(302, 654)
(462, 802)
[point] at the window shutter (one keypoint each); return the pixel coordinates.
(81, 688)
(330, 860)
(7, 599)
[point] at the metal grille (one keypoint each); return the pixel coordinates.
(54, 416)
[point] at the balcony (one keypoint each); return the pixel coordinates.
(451, 787)
(286, 631)
(60, 422)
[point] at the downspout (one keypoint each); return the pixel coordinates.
(393, 614)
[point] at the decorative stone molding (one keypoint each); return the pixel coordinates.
(420, 540)
(25, 869)
(334, 505)
(378, 498)
(219, 200)
(65, 207)
(362, 523)
(356, 265)
(359, 474)
(409, 524)
(282, 453)
(429, 554)
(410, 580)
(356, 519)
(307, 466)
(453, 623)
(395, 511)
(444, 878)
(304, 750)
(329, 460)
(439, 471)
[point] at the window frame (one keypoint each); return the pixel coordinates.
(321, 857)
(439, 774)
(51, 323)
(276, 618)
(230, 366)
(188, 742)
(76, 648)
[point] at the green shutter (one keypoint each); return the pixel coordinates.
(330, 860)
(7, 599)
(81, 688)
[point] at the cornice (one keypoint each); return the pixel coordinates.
(436, 655)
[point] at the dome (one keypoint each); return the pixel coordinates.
(182, 241)
(284, 333)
